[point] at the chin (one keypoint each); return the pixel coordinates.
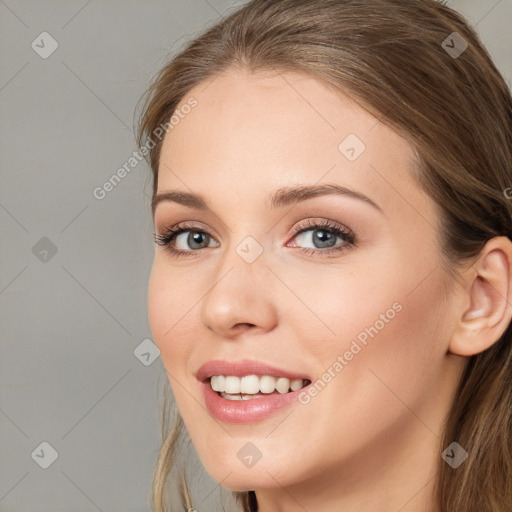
(244, 479)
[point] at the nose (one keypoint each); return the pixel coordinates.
(240, 297)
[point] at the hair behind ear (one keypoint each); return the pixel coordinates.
(480, 420)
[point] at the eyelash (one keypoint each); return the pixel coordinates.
(167, 237)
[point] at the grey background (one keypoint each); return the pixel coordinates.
(70, 324)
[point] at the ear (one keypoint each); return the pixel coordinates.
(488, 290)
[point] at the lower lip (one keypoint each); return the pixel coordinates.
(245, 411)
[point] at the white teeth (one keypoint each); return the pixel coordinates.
(250, 384)
(232, 385)
(253, 385)
(239, 396)
(283, 385)
(296, 384)
(267, 384)
(217, 382)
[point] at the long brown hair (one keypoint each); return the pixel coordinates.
(400, 60)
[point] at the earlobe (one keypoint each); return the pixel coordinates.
(489, 293)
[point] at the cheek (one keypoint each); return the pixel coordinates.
(389, 321)
(387, 369)
(159, 302)
(167, 313)
(392, 344)
(388, 304)
(169, 310)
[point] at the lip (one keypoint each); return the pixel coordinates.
(245, 411)
(244, 367)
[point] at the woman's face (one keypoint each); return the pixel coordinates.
(364, 316)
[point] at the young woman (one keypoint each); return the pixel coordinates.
(331, 289)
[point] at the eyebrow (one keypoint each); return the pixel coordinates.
(282, 197)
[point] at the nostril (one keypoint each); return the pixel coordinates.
(243, 326)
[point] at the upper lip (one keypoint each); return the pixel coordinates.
(244, 367)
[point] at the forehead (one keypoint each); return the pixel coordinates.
(251, 132)
(276, 107)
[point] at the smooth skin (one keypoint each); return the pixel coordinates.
(369, 440)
